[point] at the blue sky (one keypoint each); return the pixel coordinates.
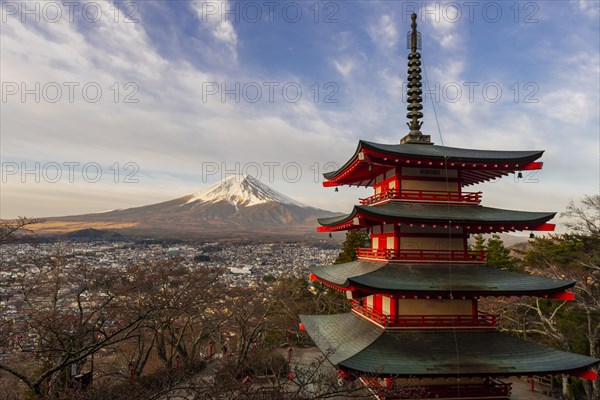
(504, 75)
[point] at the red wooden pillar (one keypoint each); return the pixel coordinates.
(131, 368)
(393, 306)
(289, 361)
(532, 384)
(377, 303)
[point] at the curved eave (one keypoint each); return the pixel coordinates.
(472, 218)
(354, 344)
(370, 159)
(366, 277)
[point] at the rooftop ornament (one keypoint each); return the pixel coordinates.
(414, 91)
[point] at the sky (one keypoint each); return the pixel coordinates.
(108, 105)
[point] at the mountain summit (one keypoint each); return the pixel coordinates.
(240, 206)
(241, 190)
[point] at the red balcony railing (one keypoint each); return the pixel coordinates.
(492, 388)
(425, 321)
(368, 312)
(423, 195)
(423, 255)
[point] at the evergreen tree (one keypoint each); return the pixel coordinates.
(497, 254)
(479, 243)
(354, 239)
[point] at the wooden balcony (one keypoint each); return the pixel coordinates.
(481, 320)
(423, 256)
(491, 388)
(424, 196)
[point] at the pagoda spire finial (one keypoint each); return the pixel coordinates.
(413, 33)
(414, 92)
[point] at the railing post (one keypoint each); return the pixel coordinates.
(131, 369)
(289, 363)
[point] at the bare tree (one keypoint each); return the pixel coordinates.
(71, 311)
(246, 310)
(573, 256)
(17, 230)
(292, 296)
(183, 308)
(584, 218)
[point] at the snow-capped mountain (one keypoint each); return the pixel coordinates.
(241, 190)
(239, 206)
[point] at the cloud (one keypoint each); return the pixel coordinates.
(172, 127)
(442, 22)
(568, 106)
(344, 67)
(449, 41)
(383, 32)
(175, 128)
(225, 33)
(213, 16)
(394, 83)
(589, 8)
(343, 40)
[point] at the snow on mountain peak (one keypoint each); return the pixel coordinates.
(241, 190)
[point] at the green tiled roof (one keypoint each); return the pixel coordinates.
(340, 337)
(461, 214)
(434, 152)
(437, 279)
(351, 342)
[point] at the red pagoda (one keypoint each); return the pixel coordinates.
(415, 329)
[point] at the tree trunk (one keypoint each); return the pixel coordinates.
(565, 386)
(37, 389)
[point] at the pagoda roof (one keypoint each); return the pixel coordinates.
(353, 343)
(370, 159)
(436, 280)
(482, 219)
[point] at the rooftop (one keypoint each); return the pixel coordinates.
(458, 280)
(353, 343)
(473, 218)
(371, 159)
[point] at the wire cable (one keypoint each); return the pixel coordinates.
(456, 347)
(433, 104)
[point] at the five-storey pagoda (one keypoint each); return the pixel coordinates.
(415, 329)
